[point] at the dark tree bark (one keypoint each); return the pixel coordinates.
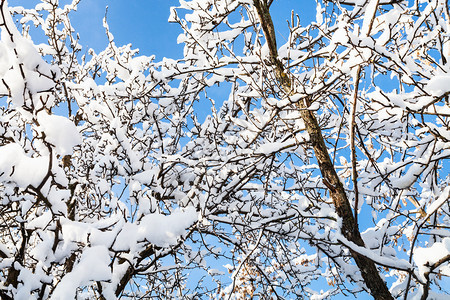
(350, 231)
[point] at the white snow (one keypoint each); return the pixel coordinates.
(93, 266)
(60, 132)
(25, 68)
(371, 10)
(438, 85)
(16, 166)
(444, 197)
(139, 142)
(383, 260)
(160, 230)
(268, 148)
(425, 257)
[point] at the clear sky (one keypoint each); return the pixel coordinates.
(144, 23)
(140, 22)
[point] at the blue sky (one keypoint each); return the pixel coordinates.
(140, 22)
(144, 23)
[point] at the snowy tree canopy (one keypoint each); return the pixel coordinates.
(322, 167)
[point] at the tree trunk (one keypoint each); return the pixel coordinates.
(350, 231)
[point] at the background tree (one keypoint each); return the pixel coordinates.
(321, 169)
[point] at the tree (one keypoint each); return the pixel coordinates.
(322, 170)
